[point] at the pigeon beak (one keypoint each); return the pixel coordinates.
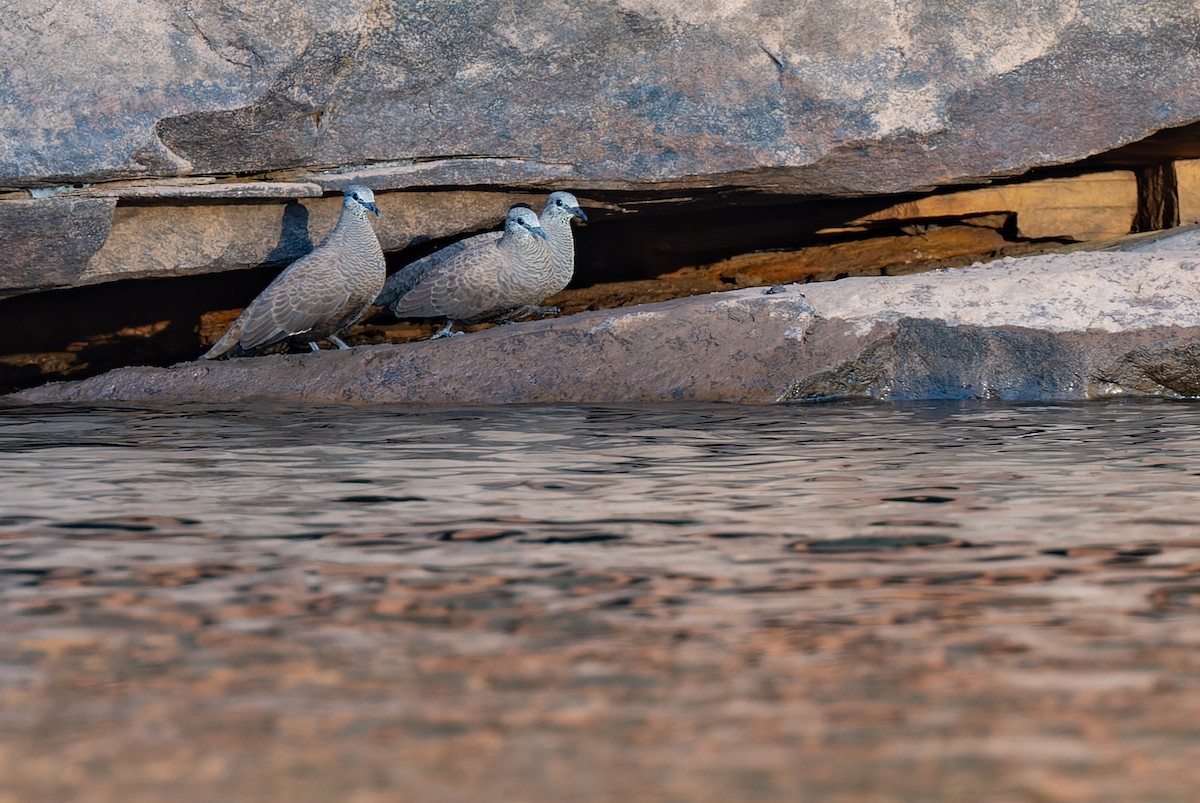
(373, 208)
(540, 233)
(577, 212)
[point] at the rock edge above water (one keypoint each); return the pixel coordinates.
(1065, 326)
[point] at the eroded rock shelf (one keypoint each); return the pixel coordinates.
(635, 250)
(151, 198)
(1097, 325)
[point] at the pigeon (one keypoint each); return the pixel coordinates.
(560, 209)
(321, 293)
(484, 278)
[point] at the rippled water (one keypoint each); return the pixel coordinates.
(793, 472)
(706, 603)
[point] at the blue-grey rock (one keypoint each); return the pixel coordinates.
(49, 242)
(836, 97)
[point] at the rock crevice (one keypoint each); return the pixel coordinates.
(1067, 326)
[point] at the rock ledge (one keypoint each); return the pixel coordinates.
(1065, 326)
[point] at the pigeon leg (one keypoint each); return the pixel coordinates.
(337, 341)
(313, 346)
(445, 331)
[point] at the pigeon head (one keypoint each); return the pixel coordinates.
(522, 219)
(563, 206)
(360, 196)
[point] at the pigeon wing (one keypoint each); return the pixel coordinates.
(304, 296)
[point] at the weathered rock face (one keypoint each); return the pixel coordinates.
(830, 98)
(1067, 326)
(51, 242)
(159, 140)
(840, 98)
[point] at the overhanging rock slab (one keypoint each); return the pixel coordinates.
(655, 98)
(836, 98)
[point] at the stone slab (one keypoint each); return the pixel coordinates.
(650, 97)
(169, 231)
(1095, 206)
(1065, 326)
(836, 98)
(49, 242)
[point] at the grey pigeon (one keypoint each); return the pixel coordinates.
(555, 219)
(560, 209)
(484, 278)
(318, 295)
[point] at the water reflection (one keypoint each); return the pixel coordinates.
(679, 593)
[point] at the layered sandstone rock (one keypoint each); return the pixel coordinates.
(164, 140)
(830, 98)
